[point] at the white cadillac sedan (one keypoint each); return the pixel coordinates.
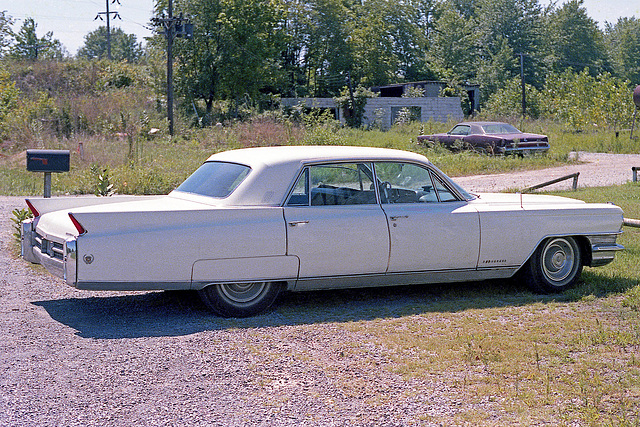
(251, 223)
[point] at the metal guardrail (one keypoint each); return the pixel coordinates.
(553, 181)
(627, 222)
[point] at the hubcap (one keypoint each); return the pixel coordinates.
(242, 292)
(558, 260)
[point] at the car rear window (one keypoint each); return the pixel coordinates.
(215, 179)
(499, 128)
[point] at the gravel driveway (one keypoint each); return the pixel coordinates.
(70, 357)
(596, 170)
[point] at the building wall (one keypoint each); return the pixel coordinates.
(381, 110)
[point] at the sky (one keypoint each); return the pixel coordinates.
(71, 20)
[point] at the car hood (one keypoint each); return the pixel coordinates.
(525, 199)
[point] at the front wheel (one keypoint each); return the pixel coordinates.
(240, 299)
(555, 266)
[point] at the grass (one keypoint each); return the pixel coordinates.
(494, 352)
(141, 164)
(507, 356)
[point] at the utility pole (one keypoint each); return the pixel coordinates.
(36, 47)
(108, 15)
(172, 27)
(524, 99)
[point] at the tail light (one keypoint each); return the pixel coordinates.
(32, 208)
(77, 225)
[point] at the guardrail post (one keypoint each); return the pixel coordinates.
(634, 169)
(553, 181)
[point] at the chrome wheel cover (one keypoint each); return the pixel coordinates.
(558, 260)
(242, 293)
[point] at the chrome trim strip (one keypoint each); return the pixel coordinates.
(70, 270)
(134, 286)
(27, 241)
(603, 248)
(603, 255)
(412, 278)
(54, 266)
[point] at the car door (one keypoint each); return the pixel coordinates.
(335, 225)
(431, 228)
(458, 133)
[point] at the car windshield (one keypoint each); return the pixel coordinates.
(215, 179)
(498, 128)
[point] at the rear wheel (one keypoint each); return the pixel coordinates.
(555, 266)
(240, 299)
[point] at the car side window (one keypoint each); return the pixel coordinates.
(410, 183)
(300, 194)
(334, 184)
(460, 130)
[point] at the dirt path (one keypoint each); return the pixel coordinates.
(597, 170)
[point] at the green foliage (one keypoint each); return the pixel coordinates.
(579, 100)
(124, 47)
(453, 52)
(103, 185)
(120, 75)
(507, 101)
(8, 101)
(6, 33)
(353, 104)
(574, 41)
(582, 101)
(232, 52)
(508, 28)
(623, 43)
(29, 46)
(19, 215)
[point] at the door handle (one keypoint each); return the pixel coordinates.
(295, 223)
(396, 217)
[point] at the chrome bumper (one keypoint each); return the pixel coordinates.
(603, 249)
(60, 259)
(525, 148)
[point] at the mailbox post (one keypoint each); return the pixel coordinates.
(48, 161)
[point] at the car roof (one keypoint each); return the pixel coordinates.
(482, 123)
(281, 155)
(273, 169)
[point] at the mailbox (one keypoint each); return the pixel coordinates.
(48, 160)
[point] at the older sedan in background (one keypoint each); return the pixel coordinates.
(490, 137)
(251, 223)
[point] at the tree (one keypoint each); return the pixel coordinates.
(574, 39)
(329, 46)
(389, 45)
(234, 51)
(29, 46)
(623, 43)
(454, 48)
(6, 33)
(509, 28)
(124, 47)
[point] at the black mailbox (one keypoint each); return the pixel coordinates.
(48, 160)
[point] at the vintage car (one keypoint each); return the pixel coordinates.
(490, 137)
(251, 223)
